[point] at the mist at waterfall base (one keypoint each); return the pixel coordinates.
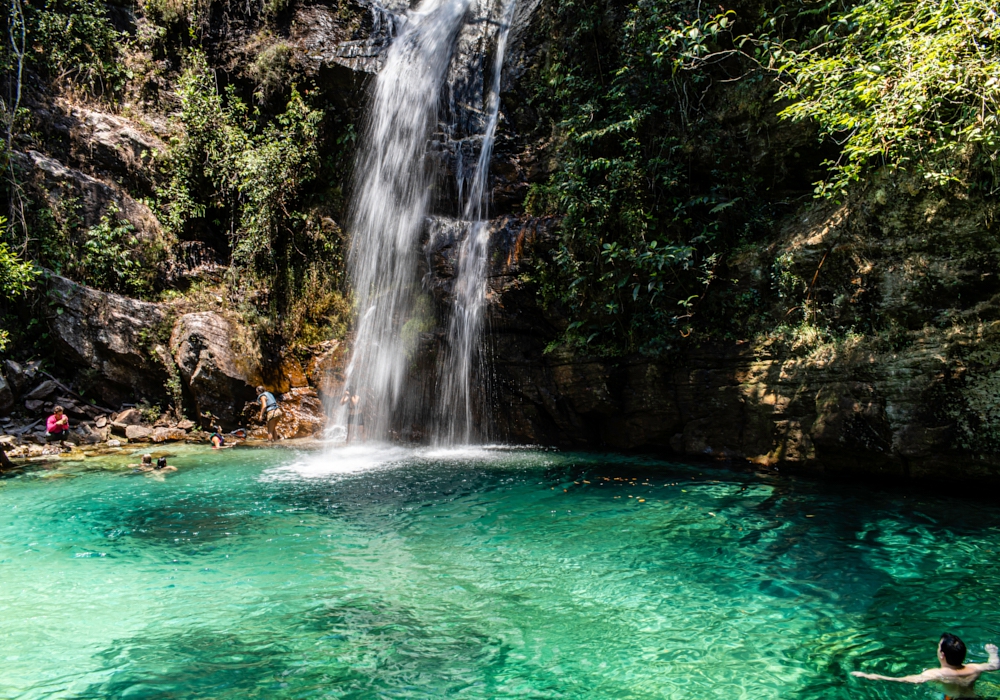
(422, 175)
(481, 574)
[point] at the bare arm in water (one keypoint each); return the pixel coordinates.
(966, 675)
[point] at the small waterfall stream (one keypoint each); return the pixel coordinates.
(433, 103)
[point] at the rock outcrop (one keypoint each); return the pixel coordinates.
(201, 347)
(114, 337)
(922, 403)
(58, 184)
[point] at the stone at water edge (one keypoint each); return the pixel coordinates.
(101, 421)
(201, 346)
(168, 435)
(138, 432)
(185, 424)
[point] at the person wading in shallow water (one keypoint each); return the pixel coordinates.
(355, 418)
(957, 677)
(270, 412)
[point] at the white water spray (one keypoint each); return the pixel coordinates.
(393, 198)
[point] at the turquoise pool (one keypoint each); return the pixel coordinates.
(478, 574)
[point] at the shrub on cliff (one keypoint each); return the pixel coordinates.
(911, 85)
(652, 184)
(73, 43)
(232, 174)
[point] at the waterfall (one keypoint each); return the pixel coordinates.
(455, 410)
(436, 47)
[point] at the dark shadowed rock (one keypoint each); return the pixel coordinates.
(87, 435)
(43, 391)
(6, 397)
(112, 335)
(20, 376)
(218, 384)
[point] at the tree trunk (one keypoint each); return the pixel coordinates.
(5, 462)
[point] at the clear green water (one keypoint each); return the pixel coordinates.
(481, 574)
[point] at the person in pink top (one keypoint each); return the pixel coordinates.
(57, 426)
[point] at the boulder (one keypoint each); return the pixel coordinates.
(87, 435)
(219, 385)
(18, 376)
(112, 335)
(106, 143)
(54, 183)
(6, 397)
(168, 434)
(33, 406)
(185, 424)
(138, 432)
(304, 414)
(45, 390)
(130, 416)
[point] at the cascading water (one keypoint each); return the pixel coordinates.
(393, 200)
(455, 411)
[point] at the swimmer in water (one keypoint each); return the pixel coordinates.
(162, 466)
(158, 472)
(957, 677)
(145, 465)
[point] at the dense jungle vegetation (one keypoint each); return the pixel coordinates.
(685, 132)
(681, 135)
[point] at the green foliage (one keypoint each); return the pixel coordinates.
(270, 70)
(108, 256)
(903, 84)
(74, 43)
(16, 278)
(149, 413)
(108, 260)
(642, 231)
(225, 165)
(233, 173)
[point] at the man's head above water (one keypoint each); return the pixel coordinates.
(951, 650)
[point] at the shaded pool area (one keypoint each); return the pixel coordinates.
(487, 573)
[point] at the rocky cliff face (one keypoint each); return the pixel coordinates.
(914, 392)
(916, 399)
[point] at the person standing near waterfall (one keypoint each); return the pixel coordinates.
(270, 412)
(355, 419)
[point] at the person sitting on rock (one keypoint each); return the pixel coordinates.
(270, 412)
(57, 426)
